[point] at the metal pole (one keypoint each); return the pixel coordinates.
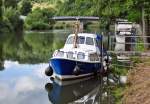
(108, 41)
(101, 49)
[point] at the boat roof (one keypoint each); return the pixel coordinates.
(85, 34)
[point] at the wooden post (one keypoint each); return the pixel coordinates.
(143, 28)
(108, 41)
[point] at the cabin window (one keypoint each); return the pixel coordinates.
(70, 40)
(70, 55)
(89, 41)
(60, 54)
(80, 55)
(80, 40)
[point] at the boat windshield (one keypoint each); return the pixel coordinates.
(89, 41)
(80, 40)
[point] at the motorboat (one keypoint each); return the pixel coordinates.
(81, 56)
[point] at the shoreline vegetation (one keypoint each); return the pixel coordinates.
(39, 12)
(138, 87)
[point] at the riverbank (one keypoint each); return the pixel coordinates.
(138, 90)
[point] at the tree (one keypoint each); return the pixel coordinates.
(107, 10)
(39, 19)
(11, 18)
(24, 7)
(11, 3)
(139, 11)
(76, 8)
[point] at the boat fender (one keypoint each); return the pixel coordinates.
(105, 65)
(76, 70)
(48, 87)
(108, 59)
(107, 62)
(49, 71)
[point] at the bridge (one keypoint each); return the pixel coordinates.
(81, 19)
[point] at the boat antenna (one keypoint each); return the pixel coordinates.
(77, 25)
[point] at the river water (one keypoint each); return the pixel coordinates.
(23, 59)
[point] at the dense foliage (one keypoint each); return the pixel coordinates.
(108, 10)
(10, 21)
(39, 20)
(24, 6)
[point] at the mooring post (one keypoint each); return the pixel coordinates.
(108, 41)
(101, 50)
(108, 48)
(101, 69)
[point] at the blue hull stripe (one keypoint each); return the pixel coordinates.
(66, 67)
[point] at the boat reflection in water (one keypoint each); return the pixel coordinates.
(1, 66)
(79, 91)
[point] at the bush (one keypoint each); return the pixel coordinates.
(40, 26)
(4, 28)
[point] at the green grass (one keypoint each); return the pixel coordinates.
(117, 93)
(139, 46)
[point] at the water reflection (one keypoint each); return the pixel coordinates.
(1, 65)
(1, 58)
(31, 47)
(23, 83)
(87, 91)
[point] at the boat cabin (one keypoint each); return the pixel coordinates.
(84, 40)
(88, 47)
